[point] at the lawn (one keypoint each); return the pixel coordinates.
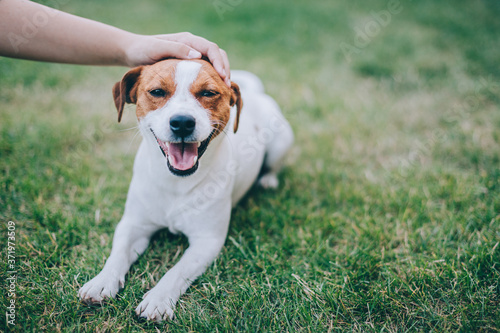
(388, 214)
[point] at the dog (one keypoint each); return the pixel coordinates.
(201, 152)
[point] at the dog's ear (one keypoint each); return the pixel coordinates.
(125, 91)
(236, 99)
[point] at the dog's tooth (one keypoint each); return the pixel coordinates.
(199, 144)
(170, 160)
(195, 159)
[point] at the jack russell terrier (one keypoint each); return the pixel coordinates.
(197, 159)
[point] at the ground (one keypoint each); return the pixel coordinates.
(387, 216)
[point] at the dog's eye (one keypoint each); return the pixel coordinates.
(158, 93)
(209, 93)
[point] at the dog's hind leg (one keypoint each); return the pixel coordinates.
(130, 241)
(280, 140)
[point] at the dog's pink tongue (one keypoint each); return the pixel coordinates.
(183, 155)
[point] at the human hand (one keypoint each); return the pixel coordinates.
(145, 50)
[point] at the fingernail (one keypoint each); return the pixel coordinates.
(193, 54)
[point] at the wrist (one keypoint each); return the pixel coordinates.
(134, 49)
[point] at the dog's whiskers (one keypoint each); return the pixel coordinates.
(134, 137)
(129, 129)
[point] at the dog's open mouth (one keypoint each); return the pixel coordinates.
(183, 157)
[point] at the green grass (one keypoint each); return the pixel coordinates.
(387, 217)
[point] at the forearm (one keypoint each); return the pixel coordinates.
(32, 31)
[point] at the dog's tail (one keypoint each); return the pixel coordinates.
(247, 81)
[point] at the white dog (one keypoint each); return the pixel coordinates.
(197, 159)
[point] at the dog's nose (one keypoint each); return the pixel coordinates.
(182, 126)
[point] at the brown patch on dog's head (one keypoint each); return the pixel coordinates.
(236, 99)
(125, 91)
(214, 95)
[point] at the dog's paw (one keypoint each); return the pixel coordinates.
(269, 180)
(156, 308)
(100, 288)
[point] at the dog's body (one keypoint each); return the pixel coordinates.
(190, 170)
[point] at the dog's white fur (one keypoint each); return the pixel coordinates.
(198, 206)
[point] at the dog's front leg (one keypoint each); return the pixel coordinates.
(159, 303)
(130, 240)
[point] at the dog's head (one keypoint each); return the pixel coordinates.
(183, 104)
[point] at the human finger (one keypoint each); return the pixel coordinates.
(209, 49)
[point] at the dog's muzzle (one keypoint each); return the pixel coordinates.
(183, 157)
